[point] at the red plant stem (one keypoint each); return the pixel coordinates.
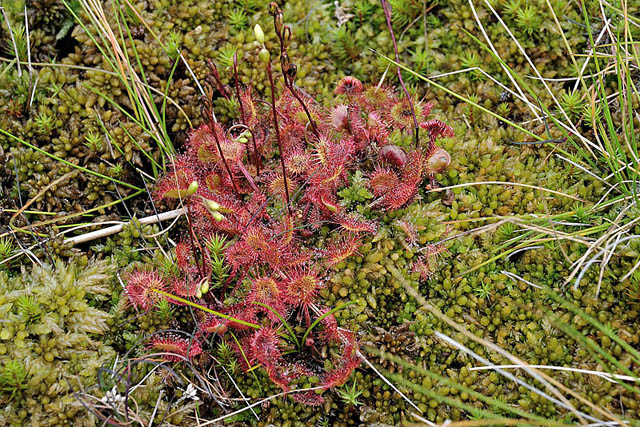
(275, 124)
(194, 239)
(387, 15)
(286, 32)
(289, 85)
(216, 78)
(237, 85)
(224, 160)
(235, 75)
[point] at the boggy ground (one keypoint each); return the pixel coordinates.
(505, 283)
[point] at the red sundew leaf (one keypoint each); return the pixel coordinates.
(179, 346)
(437, 129)
(323, 199)
(298, 162)
(383, 181)
(184, 258)
(423, 267)
(264, 347)
(243, 311)
(250, 113)
(340, 117)
(292, 138)
(399, 197)
(393, 154)
(329, 324)
(426, 109)
(184, 288)
(203, 221)
(438, 161)
(213, 325)
(355, 223)
(377, 99)
(319, 151)
(256, 245)
(203, 146)
(310, 398)
(410, 231)
(267, 291)
(287, 107)
(284, 231)
(301, 289)
(414, 168)
(357, 128)
(187, 263)
(349, 86)
(341, 249)
(400, 114)
(277, 187)
(214, 181)
(293, 256)
(331, 176)
(348, 361)
(341, 151)
(139, 288)
(377, 129)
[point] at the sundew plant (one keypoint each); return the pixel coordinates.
(268, 187)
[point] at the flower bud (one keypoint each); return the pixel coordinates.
(217, 216)
(257, 30)
(193, 187)
(181, 193)
(211, 206)
(204, 288)
(263, 55)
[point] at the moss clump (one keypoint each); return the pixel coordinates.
(50, 342)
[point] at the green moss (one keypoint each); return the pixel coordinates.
(50, 342)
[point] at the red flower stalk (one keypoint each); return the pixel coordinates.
(277, 128)
(289, 70)
(387, 14)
